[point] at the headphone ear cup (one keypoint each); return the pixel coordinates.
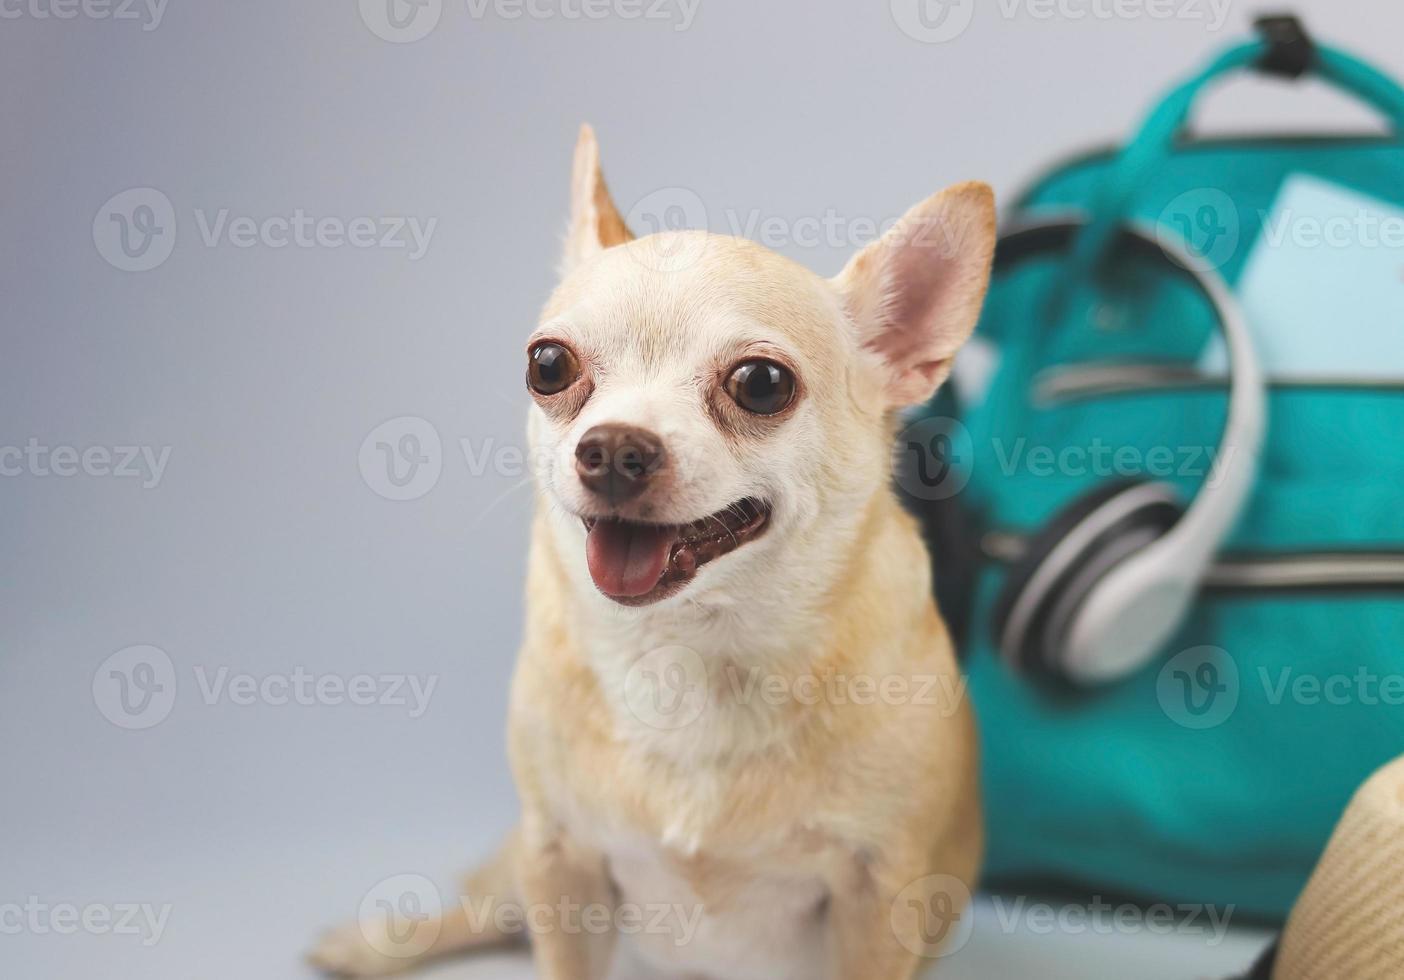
(1063, 563)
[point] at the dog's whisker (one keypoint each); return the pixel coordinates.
(722, 524)
(493, 504)
(514, 399)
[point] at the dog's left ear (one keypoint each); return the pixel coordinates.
(595, 223)
(915, 293)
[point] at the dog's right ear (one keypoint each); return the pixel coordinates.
(595, 223)
(915, 293)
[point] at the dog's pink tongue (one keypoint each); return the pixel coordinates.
(626, 559)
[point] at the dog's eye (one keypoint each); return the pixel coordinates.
(761, 387)
(551, 368)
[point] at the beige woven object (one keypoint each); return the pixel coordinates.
(1349, 922)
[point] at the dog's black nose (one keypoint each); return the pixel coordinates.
(617, 461)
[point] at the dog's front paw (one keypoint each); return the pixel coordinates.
(349, 952)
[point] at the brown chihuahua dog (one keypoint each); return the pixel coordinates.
(725, 766)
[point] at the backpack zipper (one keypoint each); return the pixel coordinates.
(1068, 383)
(1265, 571)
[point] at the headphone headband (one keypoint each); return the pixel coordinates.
(1139, 603)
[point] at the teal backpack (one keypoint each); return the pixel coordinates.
(1216, 772)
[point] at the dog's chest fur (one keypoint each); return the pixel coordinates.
(695, 840)
(711, 907)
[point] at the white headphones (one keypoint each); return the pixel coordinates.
(1105, 584)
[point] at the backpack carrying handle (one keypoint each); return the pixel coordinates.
(1282, 49)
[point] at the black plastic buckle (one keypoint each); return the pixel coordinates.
(1291, 52)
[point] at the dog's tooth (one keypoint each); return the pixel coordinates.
(685, 560)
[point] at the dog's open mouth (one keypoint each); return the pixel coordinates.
(636, 563)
